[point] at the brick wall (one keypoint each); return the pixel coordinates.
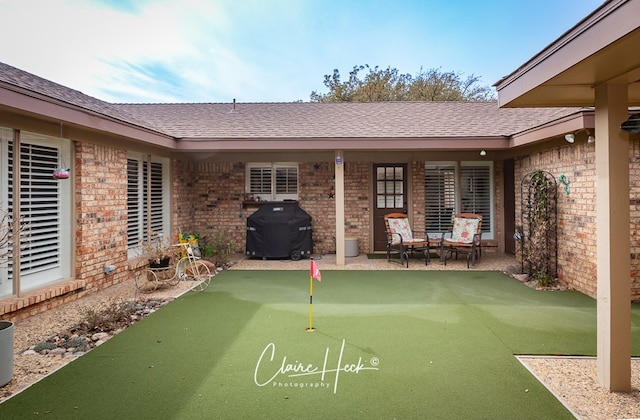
(577, 212)
(208, 198)
(316, 180)
(101, 213)
(634, 201)
(357, 213)
(498, 208)
(417, 196)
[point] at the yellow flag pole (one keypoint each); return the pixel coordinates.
(310, 329)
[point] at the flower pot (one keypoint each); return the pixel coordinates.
(61, 173)
(162, 263)
(6, 352)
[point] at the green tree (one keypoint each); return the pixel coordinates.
(377, 85)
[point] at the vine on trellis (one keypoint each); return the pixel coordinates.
(537, 235)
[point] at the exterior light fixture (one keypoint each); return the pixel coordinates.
(483, 152)
(632, 125)
(338, 159)
(591, 139)
(570, 138)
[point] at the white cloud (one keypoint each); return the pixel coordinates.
(256, 50)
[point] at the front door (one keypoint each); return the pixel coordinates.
(390, 196)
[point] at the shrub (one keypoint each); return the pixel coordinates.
(217, 247)
(108, 316)
(44, 345)
(78, 343)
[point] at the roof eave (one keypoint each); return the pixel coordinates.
(362, 143)
(566, 71)
(24, 102)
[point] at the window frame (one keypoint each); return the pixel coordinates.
(273, 169)
(50, 236)
(137, 216)
(458, 168)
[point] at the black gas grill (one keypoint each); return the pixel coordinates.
(279, 231)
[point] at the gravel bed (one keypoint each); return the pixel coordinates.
(574, 381)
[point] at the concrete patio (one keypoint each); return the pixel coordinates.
(490, 260)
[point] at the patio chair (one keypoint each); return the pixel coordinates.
(464, 238)
(400, 239)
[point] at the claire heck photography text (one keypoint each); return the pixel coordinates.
(275, 369)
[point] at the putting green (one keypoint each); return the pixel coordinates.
(386, 345)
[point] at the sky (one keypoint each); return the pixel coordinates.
(176, 51)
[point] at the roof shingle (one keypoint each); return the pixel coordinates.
(301, 120)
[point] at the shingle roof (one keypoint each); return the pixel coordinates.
(300, 119)
(342, 120)
(18, 78)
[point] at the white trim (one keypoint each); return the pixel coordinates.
(55, 228)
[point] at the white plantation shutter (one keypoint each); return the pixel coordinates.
(156, 218)
(45, 251)
(443, 199)
(272, 181)
(440, 198)
(142, 213)
(476, 193)
(260, 181)
(39, 206)
(286, 180)
(135, 205)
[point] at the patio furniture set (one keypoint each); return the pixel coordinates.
(465, 239)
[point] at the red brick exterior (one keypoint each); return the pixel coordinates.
(209, 197)
(101, 214)
(577, 213)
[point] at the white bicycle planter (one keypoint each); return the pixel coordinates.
(188, 268)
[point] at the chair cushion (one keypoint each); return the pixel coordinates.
(463, 230)
(400, 226)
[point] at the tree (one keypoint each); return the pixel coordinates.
(390, 85)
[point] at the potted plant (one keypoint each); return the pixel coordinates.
(158, 250)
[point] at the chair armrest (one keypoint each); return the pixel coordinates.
(390, 242)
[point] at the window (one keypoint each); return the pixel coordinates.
(272, 181)
(455, 188)
(390, 187)
(45, 205)
(147, 198)
(476, 195)
(440, 198)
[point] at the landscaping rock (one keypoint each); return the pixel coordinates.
(99, 336)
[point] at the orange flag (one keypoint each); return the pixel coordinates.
(315, 271)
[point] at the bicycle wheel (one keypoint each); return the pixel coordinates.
(181, 268)
(172, 277)
(199, 275)
(149, 281)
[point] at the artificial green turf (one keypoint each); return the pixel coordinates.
(429, 345)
